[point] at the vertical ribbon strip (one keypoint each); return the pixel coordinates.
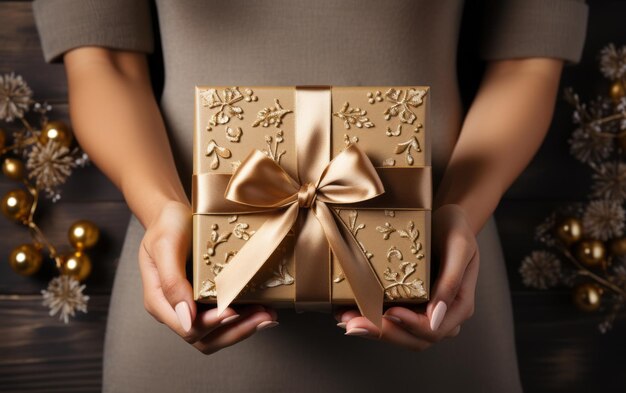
(348, 178)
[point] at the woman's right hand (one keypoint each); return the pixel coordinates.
(168, 295)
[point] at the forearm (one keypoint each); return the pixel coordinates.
(118, 123)
(502, 131)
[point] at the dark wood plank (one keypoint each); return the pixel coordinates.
(42, 354)
(560, 349)
(111, 218)
(20, 51)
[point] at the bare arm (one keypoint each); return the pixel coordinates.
(502, 131)
(505, 126)
(118, 123)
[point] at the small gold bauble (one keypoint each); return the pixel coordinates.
(618, 246)
(591, 252)
(3, 138)
(56, 131)
(83, 234)
(76, 264)
(25, 259)
(13, 168)
(570, 230)
(16, 204)
(587, 296)
(617, 91)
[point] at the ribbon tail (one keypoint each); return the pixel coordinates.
(364, 282)
(250, 258)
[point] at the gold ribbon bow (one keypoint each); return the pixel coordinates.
(260, 182)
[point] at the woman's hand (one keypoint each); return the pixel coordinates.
(452, 302)
(168, 295)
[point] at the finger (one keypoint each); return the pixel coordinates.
(454, 332)
(416, 323)
(361, 326)
(169, 254)
(272, 312)
(225, 336)
(391, 333)
(343, 316)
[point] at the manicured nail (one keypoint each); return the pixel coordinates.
(229, 319)
(393, 318)
(438, 313)
(266, 325)
(184, 315)
(357, 332)
(342, 324)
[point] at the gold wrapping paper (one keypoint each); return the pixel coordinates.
(302, 132)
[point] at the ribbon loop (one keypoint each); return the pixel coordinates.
(260, 181)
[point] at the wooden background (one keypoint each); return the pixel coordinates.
(559, 348)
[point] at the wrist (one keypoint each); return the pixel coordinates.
(147, 202)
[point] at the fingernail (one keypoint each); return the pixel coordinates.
(229, 319)
(438, 314)
(266, 325)
(342, 325)
(393, 318)
(357, 332)
(184, 315)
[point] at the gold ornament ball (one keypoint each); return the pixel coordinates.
(56, 131)
(617, 91)
(13, 168)
(76, 264)
(570, 230)
(587, 297)
(83, 234)
(3, 138)
(618, 246)
(591, 252)
(25, 259)
(16, 204)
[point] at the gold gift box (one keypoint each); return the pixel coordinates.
(390, 124)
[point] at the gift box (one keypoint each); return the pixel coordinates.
(312, 196)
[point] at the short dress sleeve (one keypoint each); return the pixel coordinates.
(115, 24)
(533, 28)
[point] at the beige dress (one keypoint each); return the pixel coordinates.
(297, 42)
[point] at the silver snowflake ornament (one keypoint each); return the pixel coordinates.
(15, 97)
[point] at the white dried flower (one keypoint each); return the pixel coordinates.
(588, 146)
(613, 61)
(543, 231)
(50, 165)
(541, 269)
(15, 97)
(603, 219)
(65, 296)
(609, 181)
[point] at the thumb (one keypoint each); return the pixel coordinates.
(170, 259)
(454, 248)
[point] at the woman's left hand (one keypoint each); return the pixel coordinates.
(452, 302)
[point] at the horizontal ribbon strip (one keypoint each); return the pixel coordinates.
(405, 188)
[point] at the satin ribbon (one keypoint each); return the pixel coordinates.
(259, 181)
